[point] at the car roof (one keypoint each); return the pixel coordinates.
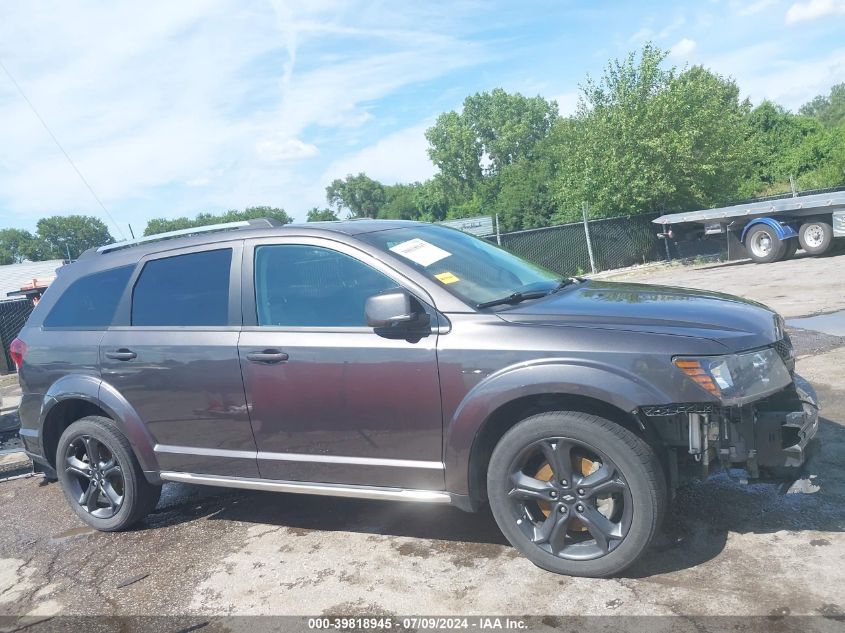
(305, 229)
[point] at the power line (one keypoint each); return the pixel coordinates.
(62, 149)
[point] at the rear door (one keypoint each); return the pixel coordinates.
(173, 355)
(330, 400)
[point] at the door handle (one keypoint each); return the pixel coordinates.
(121, 354)
(268, 356)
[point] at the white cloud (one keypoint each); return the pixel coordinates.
(677, 23)
(813, 10)
(399, 157)
(641, 36)
(567, 102)
(762, 73)
(744, 9)
(285, 150)
(682, 49)
(199, 104)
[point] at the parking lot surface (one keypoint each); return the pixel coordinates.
(727, 548)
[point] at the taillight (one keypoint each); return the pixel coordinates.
(16, 350)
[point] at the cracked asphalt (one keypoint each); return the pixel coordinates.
(726, 548)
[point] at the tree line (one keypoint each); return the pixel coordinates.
(644, 138)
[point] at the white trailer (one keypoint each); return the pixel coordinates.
(769, 231)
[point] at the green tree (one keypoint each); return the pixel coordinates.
(321, 215)
(163, 225)
(830, 109)
(401, 202)
(64, 235)
(360, 195)
(493, 130)
(646, 138)
(19, 245)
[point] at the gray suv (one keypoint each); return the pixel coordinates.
(400, 361)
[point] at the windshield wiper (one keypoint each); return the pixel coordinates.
(514, 298)
(564, 282)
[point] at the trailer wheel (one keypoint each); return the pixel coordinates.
(763, 244)
(816, 237)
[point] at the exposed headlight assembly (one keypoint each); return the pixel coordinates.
(737, 378)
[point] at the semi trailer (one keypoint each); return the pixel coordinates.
(765, 231)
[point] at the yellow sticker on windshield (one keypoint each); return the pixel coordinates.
(446, 278)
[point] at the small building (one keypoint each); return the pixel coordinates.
(27, 279)
(21, 287)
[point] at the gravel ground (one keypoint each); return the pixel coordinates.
(726, 548)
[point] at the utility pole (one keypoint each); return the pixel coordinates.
(589, 241)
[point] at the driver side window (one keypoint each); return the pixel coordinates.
(311, 286)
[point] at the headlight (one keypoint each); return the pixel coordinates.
(737, 378)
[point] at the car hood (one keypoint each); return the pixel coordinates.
(734, 322)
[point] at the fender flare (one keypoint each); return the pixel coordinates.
(783, 231)
(94, 390)
(573, 377)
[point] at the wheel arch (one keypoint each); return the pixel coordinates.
(499, 403)
(782, 231)
(74, 397)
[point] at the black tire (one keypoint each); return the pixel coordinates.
(816, 236)
(763, 245)
(122, 496)
(625, 456)
(791, 249)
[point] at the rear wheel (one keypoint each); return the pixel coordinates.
(816, 237)
(101, 477)
(763, 245)
(575, 493)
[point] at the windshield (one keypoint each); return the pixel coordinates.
(471, 268)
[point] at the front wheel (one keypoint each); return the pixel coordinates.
(101, 477)
(575, 493)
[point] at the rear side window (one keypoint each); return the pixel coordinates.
(90, 301)
(184, 290)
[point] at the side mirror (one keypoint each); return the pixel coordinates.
(395, 309)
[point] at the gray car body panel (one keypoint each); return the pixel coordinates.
(191, 402)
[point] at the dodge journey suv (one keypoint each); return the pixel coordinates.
(400, 361)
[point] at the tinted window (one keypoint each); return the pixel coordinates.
(184, 290)
(312, 286)
(90, 301)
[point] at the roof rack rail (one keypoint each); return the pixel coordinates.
(225, 226)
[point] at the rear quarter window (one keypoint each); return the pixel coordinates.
(90, 301)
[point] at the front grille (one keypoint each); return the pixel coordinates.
(784, 349)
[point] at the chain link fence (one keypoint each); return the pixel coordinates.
(13, 315)
(604, 244)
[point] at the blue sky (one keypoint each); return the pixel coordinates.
(172, 108)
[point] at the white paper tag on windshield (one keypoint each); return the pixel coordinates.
(420, 251)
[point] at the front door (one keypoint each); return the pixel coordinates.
(329, 399)
(173, 354)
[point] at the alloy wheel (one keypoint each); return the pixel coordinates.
(96, 479)
(569, 499)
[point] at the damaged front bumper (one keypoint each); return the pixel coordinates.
(785, 424)
(763, 437)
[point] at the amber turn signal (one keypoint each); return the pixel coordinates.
(695, 371)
